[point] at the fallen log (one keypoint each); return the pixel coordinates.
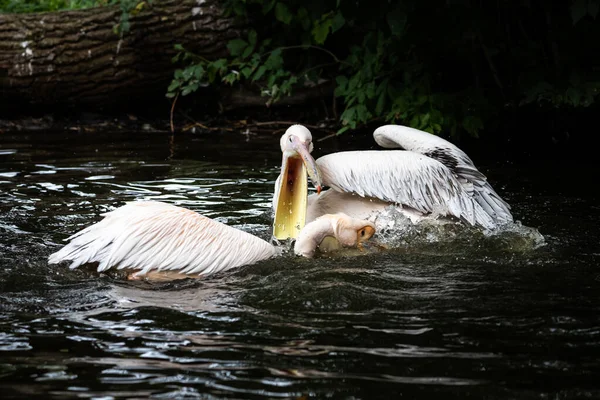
(76, 58)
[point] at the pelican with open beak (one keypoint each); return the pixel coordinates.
(291, 187)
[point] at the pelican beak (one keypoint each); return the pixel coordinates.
(363, 234)
(291, 190)
(309, 162)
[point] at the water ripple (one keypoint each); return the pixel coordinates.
(438, 312)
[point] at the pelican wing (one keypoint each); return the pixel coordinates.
(403, 177)
(154, 236)
(432, 146)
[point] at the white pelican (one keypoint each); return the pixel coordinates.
(430, 178)
(150, 238)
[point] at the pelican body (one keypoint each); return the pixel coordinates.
(149, 237)
(429, 178)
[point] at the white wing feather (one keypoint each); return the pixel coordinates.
(405, 178)
(397, 136)
(154, 236)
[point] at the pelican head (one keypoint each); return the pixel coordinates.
(352, 232)
(296, 142)
(291, 188)
(331, 232)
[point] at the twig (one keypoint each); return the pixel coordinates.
(172, 111)
(310, 46)
(359, 127)
(327, 137)
(208, 128)
(268, 123)
(243, 124)
(319, 66)
(171, 147)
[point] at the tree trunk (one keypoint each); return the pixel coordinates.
(76, 58)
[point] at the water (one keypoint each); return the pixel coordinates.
(465, 317)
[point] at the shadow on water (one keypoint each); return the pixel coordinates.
(470, 316)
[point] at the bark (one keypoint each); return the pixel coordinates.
(76, 58)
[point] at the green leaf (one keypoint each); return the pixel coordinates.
(341, 80)
(370, 90)
(337, 22)
(342, 130)
(174, 85)
(230, 78)
(199, 72)
(472, 125)
(361, 97)
(304, 19)
(350, 99)
(247, 52)
(354, 82)
(348, 117)
(415, 121)
(236, 46)
(321, 30)
(252, 35)
(220, 65)
(340, 89)
(251, 44)
(380, 103)
(275, 61)
(282, 13)
(239, 8)
(362, 113)
(261, 71)
(246, 72)
(381, 88)
(265, 44)
(268, 6)
(271, 79)
(188, 73)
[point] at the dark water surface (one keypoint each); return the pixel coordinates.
(470, 317)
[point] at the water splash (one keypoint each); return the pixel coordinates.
(396, 230)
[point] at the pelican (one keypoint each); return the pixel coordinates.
(430, 178)
(150, 238)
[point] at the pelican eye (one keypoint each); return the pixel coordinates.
(290, 139)
(362, 232)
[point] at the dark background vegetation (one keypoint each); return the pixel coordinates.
(516, 74)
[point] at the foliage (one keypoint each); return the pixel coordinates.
(435, 65)
(128, 7)
(28, 6)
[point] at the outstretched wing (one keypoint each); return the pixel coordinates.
(474, 182)
(155, 236)
(402, 177)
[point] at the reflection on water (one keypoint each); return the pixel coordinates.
(512, 315)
